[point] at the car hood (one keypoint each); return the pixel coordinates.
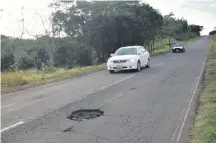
(178, 47)
(122, 57)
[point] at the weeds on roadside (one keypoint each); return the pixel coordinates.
(19, 78)
(204, 130)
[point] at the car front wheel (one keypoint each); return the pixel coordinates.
(138, 66)
(148, 64)
(183, 50)
(111, 71)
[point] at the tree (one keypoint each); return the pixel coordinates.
(213, 32)
(196, 29)
(106, 26)
(87, 32)
(169, 26)
(16, 43)
(48, 39)
(6, 55)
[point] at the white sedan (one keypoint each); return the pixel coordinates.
(129, 58)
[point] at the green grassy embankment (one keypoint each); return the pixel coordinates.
(14, 81)
(204, 130)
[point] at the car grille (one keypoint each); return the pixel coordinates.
(119, 61)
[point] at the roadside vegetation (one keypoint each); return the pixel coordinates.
(20, 80)
(166, 47)
(204, 130)
(78, 39)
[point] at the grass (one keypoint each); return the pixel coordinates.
(204, 130)
(14, 81)
(20, 80)
(165, 48)
(191, 41)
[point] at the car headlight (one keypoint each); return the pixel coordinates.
(109, 61)
(132, 60)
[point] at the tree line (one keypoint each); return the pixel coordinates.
(213, 32)
(86, 33)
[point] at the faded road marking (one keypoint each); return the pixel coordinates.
(194, 92)
(173, 137)
(12, 126)
(104, 87)
(157, 65)
(7, 105)
(82, 97)
(173, 57)
(181, 117)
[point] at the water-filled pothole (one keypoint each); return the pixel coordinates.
(87, 114)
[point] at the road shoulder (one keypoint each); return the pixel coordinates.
(204, 130)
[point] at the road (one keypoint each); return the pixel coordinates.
(155, 105)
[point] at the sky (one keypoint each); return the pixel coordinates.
(201, 12)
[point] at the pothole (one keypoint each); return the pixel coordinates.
(87, 114)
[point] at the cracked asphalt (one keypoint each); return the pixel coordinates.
(155, 105)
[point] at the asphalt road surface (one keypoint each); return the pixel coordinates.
(155, 105)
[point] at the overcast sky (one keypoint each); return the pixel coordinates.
(202, 12)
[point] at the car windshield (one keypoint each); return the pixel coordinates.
(126, 51)
(175, 45)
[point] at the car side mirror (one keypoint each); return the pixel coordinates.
(111, 55)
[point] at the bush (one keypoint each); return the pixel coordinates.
(26, 62)
(50, 69)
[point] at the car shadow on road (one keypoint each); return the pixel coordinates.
(129, 71)
(124, 72)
